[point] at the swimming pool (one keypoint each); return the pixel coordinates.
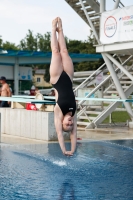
(100, 170)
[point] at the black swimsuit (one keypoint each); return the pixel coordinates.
(66, 98)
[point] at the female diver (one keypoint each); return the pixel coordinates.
(61, 76)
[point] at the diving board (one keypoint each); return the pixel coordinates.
(26, 100)
(47, 104)
(76, 98)
(42, 105)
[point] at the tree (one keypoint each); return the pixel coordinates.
(29, 42)
(44, 41)
(1, 42)
(9, 46)
(24, 85)
(41, 42)
(37, 42)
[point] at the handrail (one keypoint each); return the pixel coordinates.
(105, 91)
(94, 73)
(116, 4)
(95, 89)
(89, 77)
(120, 3)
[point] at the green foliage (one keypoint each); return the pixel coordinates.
(1, 42)
(41, 42)
(44, 41)
(9, 46)
(47, 75)
(86, 47)
(117, 117)
(29, 42)
(88, 66)
(36, 42)
(25, 85)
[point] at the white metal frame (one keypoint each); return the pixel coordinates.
(109, 60)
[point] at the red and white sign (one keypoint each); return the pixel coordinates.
(117, 25)
(110, 26)
(99, 78)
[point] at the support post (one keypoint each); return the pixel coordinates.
(90, 22)
(0, 127)
(16, 72)
(110, 118)
(116, 4)
(119, 66)
(117, 84)
(102, 5)
(106, 57)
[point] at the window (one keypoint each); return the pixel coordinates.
(38, 80)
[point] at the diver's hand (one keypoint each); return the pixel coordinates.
(68, 153)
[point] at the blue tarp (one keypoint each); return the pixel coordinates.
(16, 53)
(7, 57)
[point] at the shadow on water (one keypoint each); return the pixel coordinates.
(67, 192)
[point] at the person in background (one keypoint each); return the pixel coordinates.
(52, 93)
(37, 90)
(32, 91)
(10, 89)
(0, 93)
(0, 90)
(5, 91)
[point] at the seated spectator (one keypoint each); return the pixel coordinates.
(37, 90)
(52, 93)
(10, 89)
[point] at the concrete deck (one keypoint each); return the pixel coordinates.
(98, 134)
(107, 134)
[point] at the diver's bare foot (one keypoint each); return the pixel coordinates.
(54, 24)
(58, 30)
(59, 24)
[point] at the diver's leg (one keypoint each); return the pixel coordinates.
(56, 66)
(66, 60)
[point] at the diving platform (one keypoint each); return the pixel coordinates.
(113, 36)
(123, 48)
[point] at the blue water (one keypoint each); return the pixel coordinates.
(98, 170)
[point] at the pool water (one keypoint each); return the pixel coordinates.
(100, 170)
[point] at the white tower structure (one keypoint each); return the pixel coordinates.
(113, 31)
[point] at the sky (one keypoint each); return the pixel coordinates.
(17, 16)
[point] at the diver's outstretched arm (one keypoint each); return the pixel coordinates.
(73, 135)
(58, 127)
